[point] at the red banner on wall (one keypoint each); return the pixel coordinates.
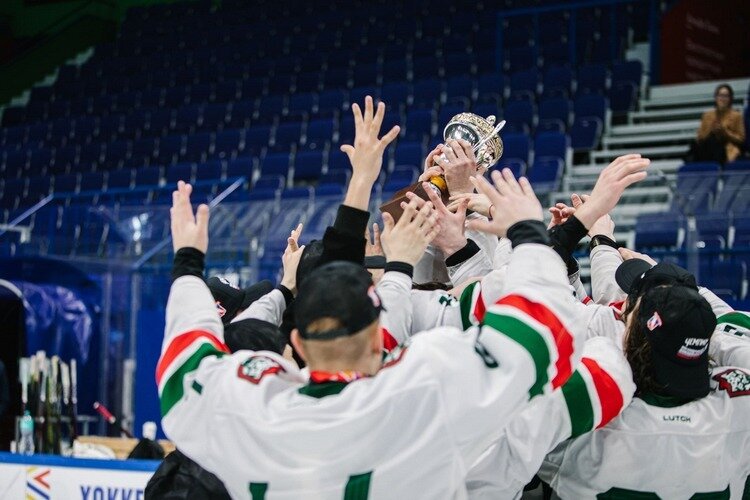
(703, 40)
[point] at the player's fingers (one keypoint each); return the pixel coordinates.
(201, 218)
(434, 198)
(462, 207)
(348, 150)
(358, 119)
(449, 152)
(510, 179)
(291, 244)
(526, 188)
(458, 150)
(481, 225)
(430, 173)
(423, 214)
(387, 224)
(377, 120)
(390, 136)
(368, 112)
(576, 200)
(484, 187)
(466, 147)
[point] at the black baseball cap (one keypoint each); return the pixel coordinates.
(230, 300)
(678, 323)
(340, 290)
(254, 335)
(635, 276)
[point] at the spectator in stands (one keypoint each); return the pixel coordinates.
(721, 135)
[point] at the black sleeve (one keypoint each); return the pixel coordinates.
(188, 262)
(288, 295)
(564, 238)
(467, 252)
(345, 239)
(528, 231)
(400, 267)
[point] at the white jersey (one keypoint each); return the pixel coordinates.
(600, 388)
(667, 450)
(410, 431)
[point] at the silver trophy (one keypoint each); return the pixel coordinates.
(481, 133)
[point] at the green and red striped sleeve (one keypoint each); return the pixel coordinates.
(736, 321)
(538, 330)
(592, 396)
(182, 356)
(472, 305)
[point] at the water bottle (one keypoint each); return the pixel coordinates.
(26, 443)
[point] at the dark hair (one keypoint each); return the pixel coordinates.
(729, 88)
(638, 353)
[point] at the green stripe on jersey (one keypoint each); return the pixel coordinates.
(737, 318)
(258, 491)
(466, 303)
(579, 405)
(530, 339)
(173, 388)
(358, 487)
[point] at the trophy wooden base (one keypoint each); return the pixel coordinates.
(393, 206)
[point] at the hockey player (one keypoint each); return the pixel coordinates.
(687, 432)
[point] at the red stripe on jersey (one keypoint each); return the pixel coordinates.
(179, 344)
(480, 309)
(562, 337)
(609, 393)
(586, 300)
(388, 341)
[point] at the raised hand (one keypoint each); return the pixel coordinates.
(430, 169)
(451, 237)
(366, 156)
(372, 246)
(407, 240)
(290, 259)
(562, 212)
(515, 200)
(618, 175)
(188, 229)
(628, 254)
(477, 202)
(459, 165)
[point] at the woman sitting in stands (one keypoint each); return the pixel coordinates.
(722, 132)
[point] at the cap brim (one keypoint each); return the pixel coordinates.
(255, 292)
(629, 273)
(686, 382)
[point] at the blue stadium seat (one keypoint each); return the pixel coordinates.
(657, 231)
(66, 183)
(332, 100)
(271, 106)
(585, 134)
(395, 71)
(427, 67)
(329, 190)
(120, 179)
(170, 149)
(459, 86)
(319, 133)
(257, 138)
(591, 105)
(627, 71)
(186, 119)
(241, 114)
(304, 102)
(520, 116)
(335, 176)
(557, 81)
(275, 164)
(552, 144)
(492, 83)
(211, 170)
(409, 153)
(446, 113)
(546, 173)
(517, 166)
(274, 182)
(521, 59)
(308, 166)
(395, 95)
(418, 124)
(240, 167)
(427, 93)
(516, 146)
(403, 175)
(727, 277)
(591, 79)
(227, 144)
(338, 161)
(179, 172)
(623, 97)
(148, 176)
(555, 109)
(526, 81)
(92, 181)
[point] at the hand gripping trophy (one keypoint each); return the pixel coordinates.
(481, 133)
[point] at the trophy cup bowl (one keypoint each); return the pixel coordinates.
(481, 133)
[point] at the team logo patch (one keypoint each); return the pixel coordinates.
(221, 309)
(654, 322)
(692, 348)
(396, 354)
(255, 368)
(735, 382)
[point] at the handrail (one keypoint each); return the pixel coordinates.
(163, 243)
